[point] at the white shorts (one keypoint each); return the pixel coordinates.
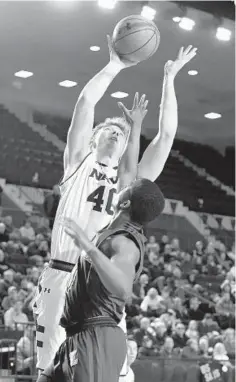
(48, 307)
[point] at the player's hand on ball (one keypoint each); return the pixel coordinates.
(136, 115)
(184, 56)
(76, 233)
(115, 58)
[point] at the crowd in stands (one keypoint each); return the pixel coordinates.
(183, 304)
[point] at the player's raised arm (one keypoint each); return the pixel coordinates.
(127, 171)
(156, 154)
(117, 274)
(80, 130)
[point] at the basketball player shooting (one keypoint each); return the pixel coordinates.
(100, 284)
(92, 168)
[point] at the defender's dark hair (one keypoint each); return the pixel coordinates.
(147, 200)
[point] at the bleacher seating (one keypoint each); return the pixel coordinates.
(23, 152)
(209, 158)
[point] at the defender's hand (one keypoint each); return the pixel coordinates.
(136, 115)
(77, 234)
(184, 56)
(115, 58)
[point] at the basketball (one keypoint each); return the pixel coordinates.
(135, 38)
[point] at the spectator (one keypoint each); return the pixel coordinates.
(50, 204)
(152, 245)
(195, 313)
(148, 348)
(192, 331)
(3, 265)
(27, 231)
(169, 319)
(151, 303)
(140, 288)
(9, 224)
(164, 241)
(224, 306)
(229, 341)
(34, 247)
(179, 336)
(208, 325)
(160, 333)
(4, 236)
(167, 301)
(132, 351)
(143, 331)
(26, 351)
(191, 351)
(220, 354)
(6, 282)
(10, 300)
(203, 347)
(179, 308)
(168, 350)
(14, 318)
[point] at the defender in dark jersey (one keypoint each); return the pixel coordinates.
(101, 283)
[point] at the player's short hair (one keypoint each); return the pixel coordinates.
(147, 200)
(115, 121)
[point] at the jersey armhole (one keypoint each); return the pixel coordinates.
(74, 169)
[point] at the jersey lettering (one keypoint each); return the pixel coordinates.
(97, 197)
(100, 176)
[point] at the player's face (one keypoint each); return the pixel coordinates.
(112, 139)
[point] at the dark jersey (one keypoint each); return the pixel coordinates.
(212, 372)
(86, 297)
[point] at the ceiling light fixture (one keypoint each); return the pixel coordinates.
(212, 115)
(119, 95)
(23, 74)
(94, 48)
(192, 72)
(186, 23)
(108, 4)
(148, 12)
(67, 84)
(223, 34)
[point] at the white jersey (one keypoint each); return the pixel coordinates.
(86, 197)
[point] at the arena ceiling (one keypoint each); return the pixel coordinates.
(52, 40)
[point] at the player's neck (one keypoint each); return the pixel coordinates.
(120, 218)
(108, 159)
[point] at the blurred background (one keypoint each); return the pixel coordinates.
(182, 314)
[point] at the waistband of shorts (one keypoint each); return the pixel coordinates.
(90, 322)
(61, 265)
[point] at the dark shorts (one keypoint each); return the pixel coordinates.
(96, 354)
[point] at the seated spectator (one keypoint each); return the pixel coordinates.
(140, 288)
(143, 331)
(199, 250)
(226, 310)
(203, 347)
(168, 351)
(26, 351)
(208, 325)
(148, 348)
(169, 319)
(132, 351)
(179, 308)
(7, 220)
(151, 303)
(191, 351)
(192, 330)
(10, 300)
(155, 267)
(3, 265)
(164, 240)
(179, 336)
(152, 245)
(6, 282)
(220, 354)
(187, 264)
(229, 341)
(27, 231)
(14, 318)
(195, 312)
(160, 332)
(4, 235)
(33, 248)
